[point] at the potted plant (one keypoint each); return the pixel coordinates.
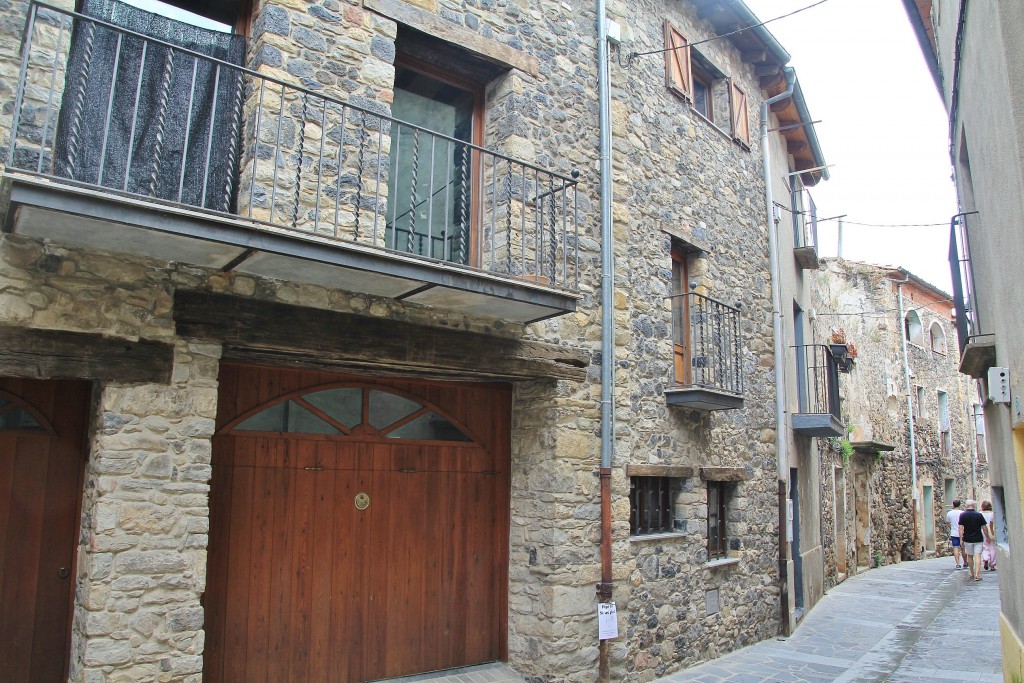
(837, 344)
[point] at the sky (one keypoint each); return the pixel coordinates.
(883, 128)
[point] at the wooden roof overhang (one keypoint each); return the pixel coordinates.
(796, 127)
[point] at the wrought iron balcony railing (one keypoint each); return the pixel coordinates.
(109, 108)
(708, 344)
(817, 380)
(968, 321)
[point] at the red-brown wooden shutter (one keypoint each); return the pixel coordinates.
(677, 62)
(740, 118)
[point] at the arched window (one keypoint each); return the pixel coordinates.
(16, 415)
(351, 411)
(938, 338)
(912, 325)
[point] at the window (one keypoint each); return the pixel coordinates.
(938, 338)
(681, 294)
(912, 328)
(651, 505)
(919, 404)
(949, 492)
(353, 411)
(16, 416)
(710, 92)
(431, 186)
(718, 540)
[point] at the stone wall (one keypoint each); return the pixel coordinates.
(862, 299)
(144, 513)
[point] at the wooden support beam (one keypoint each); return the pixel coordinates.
(795, 146)
(675, 471)
(782, 105)
(751, 56)
(772, 83)
(269, 332)
(723, 473)
(56, 354)
(767, 69)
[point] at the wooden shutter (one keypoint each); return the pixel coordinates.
(677, 62)
(740, 118)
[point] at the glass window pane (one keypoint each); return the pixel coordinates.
(270, 420)
(429, 427)
(386, 409)
(301, 421)
(344, 405)
(429, 215)
(19, 418)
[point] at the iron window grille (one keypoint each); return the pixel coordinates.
(651, 505)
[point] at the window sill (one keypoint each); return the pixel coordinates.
(721, 131)
(668, 536)
(721, 562)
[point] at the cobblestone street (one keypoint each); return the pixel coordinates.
(915, 622)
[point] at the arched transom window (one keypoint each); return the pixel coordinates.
(16, 415)
(912, 324)
(352, 411)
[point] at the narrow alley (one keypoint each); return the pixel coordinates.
(913, 622)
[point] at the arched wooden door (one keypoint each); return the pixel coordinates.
(42, 438)
(359, 528)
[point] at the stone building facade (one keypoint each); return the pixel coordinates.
(867, 473)
(222, 351)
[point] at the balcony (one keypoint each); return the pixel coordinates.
(805, 232)
(818, 387)
(977, 349)
(708, 354)
(126, 142)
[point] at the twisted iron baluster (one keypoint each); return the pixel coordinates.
(234, 131)
(298, 165)
(359, 173)
(161, 119)
(508, 219)
(551, 223)
(460, 243)
(78, 106)
(411, 241)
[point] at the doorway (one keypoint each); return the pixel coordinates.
(798, 562)
(42, 460)
(359, 527)
(929, 519)
(840, 527)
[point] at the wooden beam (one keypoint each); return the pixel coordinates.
(767, 69)
(723, 473)
(56, 354)
(433, 25)
(751, 56)
(771, 83)
(795, 146)
(782, 105)
(263, 331)
(676, 471)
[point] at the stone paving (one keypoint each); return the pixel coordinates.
(914, 622)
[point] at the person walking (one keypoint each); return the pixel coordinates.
(953, 519)
(973, 532)
(988, 553)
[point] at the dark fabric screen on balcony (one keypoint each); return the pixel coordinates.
(143, 118)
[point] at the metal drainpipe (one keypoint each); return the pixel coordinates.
(910, 409)
(780, 346)
(604, 589)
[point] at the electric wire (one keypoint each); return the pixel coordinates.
(634, 55)
(867, 225)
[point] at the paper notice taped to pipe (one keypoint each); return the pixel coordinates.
(607, 621)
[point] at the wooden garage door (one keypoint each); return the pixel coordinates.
(359, 529)
(42, 427)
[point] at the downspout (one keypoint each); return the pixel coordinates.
(780, 348)
(604, 589)
(910, 410)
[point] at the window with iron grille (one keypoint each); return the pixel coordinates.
(718, 540)
(651, 505)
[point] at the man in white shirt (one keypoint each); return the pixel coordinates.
(953, 519)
